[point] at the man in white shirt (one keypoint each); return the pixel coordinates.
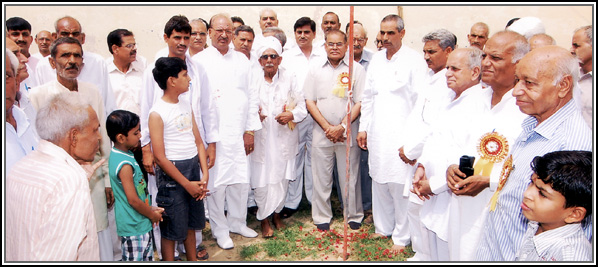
(478, 35)
(43, 39)
(581, 47)
(431, 99)
(393, 79)
(330, 21)
(177, 35)
(67, 58)
(237, 103)
(297, 60)
(94, 72)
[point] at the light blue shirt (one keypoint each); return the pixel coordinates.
(505, 227)
(566, 243)
(21, 141)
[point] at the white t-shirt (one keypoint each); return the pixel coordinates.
(179, 141)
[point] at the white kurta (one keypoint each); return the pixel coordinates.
(504, 118)
(389, 96)
(237, 105)
(127, 86)
(94, 71)
(273, 159)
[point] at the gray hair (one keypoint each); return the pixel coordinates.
(397, 19)
(14, 61)
(62, 113)
(564, 66)
(588, 30)
(445, 38)
(475, 57)
(519, 42)
(278, 33)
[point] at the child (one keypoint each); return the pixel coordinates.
(134, 217)
(176, 144)
(557, 200)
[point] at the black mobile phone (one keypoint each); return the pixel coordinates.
(466, 165)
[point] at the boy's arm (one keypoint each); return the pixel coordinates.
(126, 177)
(203, 161)
(156, 128)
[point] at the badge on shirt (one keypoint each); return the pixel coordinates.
(507, 168)
(342, 85)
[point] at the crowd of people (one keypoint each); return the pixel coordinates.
(118, 158)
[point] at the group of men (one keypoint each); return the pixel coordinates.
(410, 120)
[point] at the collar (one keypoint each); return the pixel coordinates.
(547, 129)
(544, 241)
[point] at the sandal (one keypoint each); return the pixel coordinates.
(201, 249)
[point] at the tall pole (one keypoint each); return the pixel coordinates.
(348, 140)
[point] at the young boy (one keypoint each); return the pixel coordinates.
(179, 153)
(134, 217)
(557, 200)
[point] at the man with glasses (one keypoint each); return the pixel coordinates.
(361, 54)
(229, 75)
(326, 96)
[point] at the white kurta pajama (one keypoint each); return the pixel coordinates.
(431, 100)
(389, 96)
(273, 160)
(237, 105)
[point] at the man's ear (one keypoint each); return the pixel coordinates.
(576, 214)
(52, 62)
(565, 86)
(82, 38)
(73, 136)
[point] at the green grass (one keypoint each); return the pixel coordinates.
(301, 241)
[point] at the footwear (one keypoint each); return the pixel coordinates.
(287, 212)
(246, 232)
(323, 226)
(225, 243)
(369, 219)
(354, 225)
(201, 249)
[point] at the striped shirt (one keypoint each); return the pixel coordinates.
(505, 227)
(566, 243)
(49, 215)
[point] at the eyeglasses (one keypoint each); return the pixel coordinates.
(130, 46)
(335, 44)
(273, 56)
(359, 40)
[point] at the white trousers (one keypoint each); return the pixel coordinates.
(116, 247)
(419, 244)
(235, 198)
(323, 159)
(105, 243)
(303, 164)
(438, 248)
(389, 208)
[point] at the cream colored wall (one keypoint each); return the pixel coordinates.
(147, 22)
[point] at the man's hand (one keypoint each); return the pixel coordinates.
(335, 133)
(211, 151)
(284, 118)
(362, 140)
(262, 117)
(109, 197)
(404, 158)
(421, 185)
(471, 186)
(248, 141)
(148, 159)
(91, 169)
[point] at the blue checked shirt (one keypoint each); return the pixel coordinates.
(505, 227)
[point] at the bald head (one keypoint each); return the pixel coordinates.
(502, 52)
(539, 40)
(546, 78)
(478, 35)
(69, 27)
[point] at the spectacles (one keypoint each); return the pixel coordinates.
(359, 40)
(130, 46)
(335, 44)
(273, 56)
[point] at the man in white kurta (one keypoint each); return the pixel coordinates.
(229, 75)
(499, 125)
(199, 96)
(94, 70)
(393, 78)
(431, 99)
(67, 81)
(273, 161)
(326, 96)
(297, 60)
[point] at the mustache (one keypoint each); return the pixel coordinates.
(72, 66)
